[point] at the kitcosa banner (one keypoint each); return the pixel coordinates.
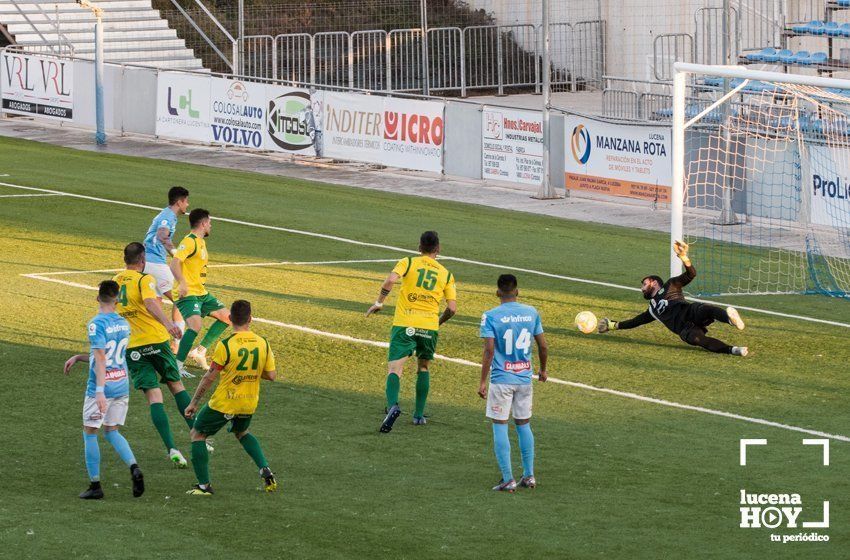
(37, 85)
(290, 122)
(395, 132)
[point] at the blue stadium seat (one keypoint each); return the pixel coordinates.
(802, 57)
(844, 3)
(845, 27)
(713, 82)
(832, 28)
(819, 58)
(814, 27)
(786, 56)
(762, 55)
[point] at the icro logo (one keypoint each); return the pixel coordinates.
(580, 144)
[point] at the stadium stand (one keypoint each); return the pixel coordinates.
(134, 33)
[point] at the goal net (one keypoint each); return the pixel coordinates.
(764, 174)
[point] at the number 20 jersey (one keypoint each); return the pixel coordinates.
(513, 325)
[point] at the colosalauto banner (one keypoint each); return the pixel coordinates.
(36, 85)
(237, 113)
(395, 132)
(290, 124)
(183, 106)
(622, 160)
(513, 145)
(830, 186)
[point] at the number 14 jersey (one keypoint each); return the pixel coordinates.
(513, 325)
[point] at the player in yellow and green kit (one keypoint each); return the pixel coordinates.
(149, 356)
(189, 267)
(242, 359)
(424, 284)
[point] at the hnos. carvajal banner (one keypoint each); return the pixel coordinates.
(183, 106)
(396, 132)
(512, 145)
(37, 85)
(621, 160)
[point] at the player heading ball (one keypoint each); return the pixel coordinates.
(690, 321)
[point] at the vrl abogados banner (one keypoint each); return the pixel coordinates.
(633, 161)
(397, 132)
(35, 85)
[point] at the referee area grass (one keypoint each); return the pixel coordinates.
(618, 477)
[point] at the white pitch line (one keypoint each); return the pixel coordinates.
(461, 361)
(228, 265)
(28, 195)
(408, 251)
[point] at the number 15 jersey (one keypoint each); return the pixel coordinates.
(243, 356)
(424, 284)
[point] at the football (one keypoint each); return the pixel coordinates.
(586, 322)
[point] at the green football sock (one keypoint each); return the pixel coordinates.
(393, 383)
(213, 333)
(186, 344)
(201, 461)
(183, 399)
(423, 384)
(160, 422)
(252, 447)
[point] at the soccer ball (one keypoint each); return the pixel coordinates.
(586, 322)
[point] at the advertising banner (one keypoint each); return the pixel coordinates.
(620, 160)
(512, 145)
(290, 125)
(830, 192)
(396, 132)
(37, 85)
(237, 111)
(183, 106)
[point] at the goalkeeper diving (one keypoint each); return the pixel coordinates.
(690, 321)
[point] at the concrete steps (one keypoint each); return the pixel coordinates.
(134, 33)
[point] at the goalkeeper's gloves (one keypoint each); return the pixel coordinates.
(681, 250)
(606, 325)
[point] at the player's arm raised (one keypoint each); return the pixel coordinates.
(486, 362)
(206, 382)
(386, 288)
(73, 360)
(681, 250)
(543, 355)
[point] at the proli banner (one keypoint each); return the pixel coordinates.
(237, 112)
(36, 85)
(632, 161)
(830, 192)
(290, 125)
(183, 106)
(513, 145)
(395, 132)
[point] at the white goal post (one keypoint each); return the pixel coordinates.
(761, 180)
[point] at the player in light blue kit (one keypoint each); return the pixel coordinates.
(107, 391)
(159, 243)
(507, 331)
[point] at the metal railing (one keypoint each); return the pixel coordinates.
(486, 57)
(62, 45)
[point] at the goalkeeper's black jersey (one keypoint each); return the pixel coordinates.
(667, 306)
